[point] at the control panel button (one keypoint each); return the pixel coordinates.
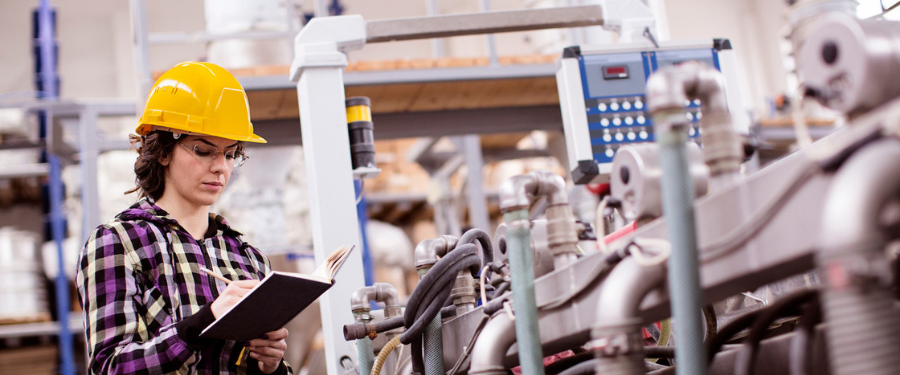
(601, 107)
(629, 120)
(697, 102)
(688, 116)
(692, 132)
(614, 106)
(687, 102)
(608, 138)
(643, 134)
(639, 104)
(631, 136)
(626, 105)
(610, 152)
(604, 122)
(699, 115)
(620, 137)
(641, 120)
(617, 121)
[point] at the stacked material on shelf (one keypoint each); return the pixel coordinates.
(22, 292)
(30, 360)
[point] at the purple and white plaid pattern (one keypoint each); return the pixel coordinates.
(140, 274)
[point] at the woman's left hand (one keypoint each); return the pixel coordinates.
(269, 350)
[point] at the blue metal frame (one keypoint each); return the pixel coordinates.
(45, 63)
(362, 213)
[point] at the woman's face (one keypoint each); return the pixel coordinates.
(193, 175)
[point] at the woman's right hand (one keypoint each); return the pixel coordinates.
(232, 294)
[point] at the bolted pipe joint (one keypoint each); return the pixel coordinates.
(670, 87)
(463, 292)
(428, 251)
(519, 191)
(380, 292)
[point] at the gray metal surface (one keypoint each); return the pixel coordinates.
(470, 147)
(783, 247)
(482, 23)
(412, 75)
(636, 179)
(845, 62)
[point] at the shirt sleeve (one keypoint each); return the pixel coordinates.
(118, 339)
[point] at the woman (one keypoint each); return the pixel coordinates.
(144, 297)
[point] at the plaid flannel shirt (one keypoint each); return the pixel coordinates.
(145, 299)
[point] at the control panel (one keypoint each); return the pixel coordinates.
(602, 95)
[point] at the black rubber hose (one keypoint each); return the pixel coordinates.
(712, 324)
(803, 342)
(477, 235)
(434, 289)
(429, 297)
(745, 362)
(500, 290)
(726, 333)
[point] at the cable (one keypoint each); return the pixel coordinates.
(732, 328)
(745, 361)
(383, 354)
(712, 324)
(802, 344)
(642, 259)
(468, 351)
(402, 363)
(884, 10)
(600, 226)
(739, 236)
(481, 284)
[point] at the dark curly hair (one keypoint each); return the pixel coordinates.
(150, 174)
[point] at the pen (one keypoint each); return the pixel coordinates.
(226, 281)
(216, 275)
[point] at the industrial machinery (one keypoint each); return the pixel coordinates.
(537, 298)
(603, 97)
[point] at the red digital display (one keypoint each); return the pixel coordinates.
(615, 70)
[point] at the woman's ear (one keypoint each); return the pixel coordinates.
(165, 160)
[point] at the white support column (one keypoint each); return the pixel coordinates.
(88, 153)
(318, 70)
(326, 147)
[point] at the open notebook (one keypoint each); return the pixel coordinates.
(277, 299)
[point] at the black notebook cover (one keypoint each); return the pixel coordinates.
(274, 302)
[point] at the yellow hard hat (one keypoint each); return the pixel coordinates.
(198, 98)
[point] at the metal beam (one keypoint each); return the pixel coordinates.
(467, 121)
(482, 23)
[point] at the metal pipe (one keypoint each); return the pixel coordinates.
(722, 147)
(521, 268)
(428, 251)
(380, 292)
(617, 333)
(667, 89)
(359, 303)
(562, 235)
(861, 215)
(490, 349)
